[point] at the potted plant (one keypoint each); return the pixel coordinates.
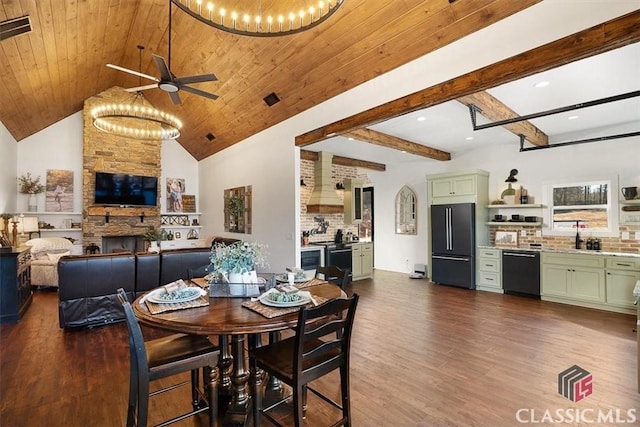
(237, 262)
(152, 237)
(31, 186)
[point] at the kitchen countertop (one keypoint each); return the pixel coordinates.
(566, 251)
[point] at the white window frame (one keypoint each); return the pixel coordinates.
(611, 208)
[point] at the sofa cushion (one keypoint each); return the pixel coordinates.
(175, 264)
(147, 271)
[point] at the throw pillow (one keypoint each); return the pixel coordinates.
(46, 244)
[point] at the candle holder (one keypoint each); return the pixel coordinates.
(14, 234)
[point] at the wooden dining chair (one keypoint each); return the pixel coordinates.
(164, 357)
(201, 271)
(317, 349)
(334, 274)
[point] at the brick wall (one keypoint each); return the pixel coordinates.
(108, 153)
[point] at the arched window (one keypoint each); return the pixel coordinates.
(406, 211)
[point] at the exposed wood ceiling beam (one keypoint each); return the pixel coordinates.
(493, 109)
(592, 41)
(344, 161)
(389, 141)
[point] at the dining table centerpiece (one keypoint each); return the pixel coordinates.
(236, 263)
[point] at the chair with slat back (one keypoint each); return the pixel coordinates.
(334, 274)
(317, 349)
(198, 271)
(164, 357)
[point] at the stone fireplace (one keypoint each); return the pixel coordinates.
(113, 227)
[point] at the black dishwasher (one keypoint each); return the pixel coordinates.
(521, 272)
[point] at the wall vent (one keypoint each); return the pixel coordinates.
(14, 27)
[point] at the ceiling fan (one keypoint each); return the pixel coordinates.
(168, 81)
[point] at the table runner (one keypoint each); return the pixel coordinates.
(271, 312)
(155, 308)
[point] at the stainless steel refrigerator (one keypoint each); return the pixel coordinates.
(453, 244)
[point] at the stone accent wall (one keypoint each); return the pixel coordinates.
(336, 221)
(109, 153)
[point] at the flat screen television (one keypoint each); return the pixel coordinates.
(125, 190)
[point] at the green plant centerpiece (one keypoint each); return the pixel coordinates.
(228, 262)
(27, 184)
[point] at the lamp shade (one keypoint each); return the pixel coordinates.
(27, 224)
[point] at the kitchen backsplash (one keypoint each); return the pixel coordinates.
(607, 244)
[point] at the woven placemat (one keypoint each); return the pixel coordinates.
(271, 312)
(155, 308)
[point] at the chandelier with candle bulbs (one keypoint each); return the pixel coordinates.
(133, 121)
(254, 21)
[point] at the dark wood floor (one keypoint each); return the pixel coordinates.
(422, 355)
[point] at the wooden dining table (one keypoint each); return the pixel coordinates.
(223, 317)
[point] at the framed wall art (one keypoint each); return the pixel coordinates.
(59, 191)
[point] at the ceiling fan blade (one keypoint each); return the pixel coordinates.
(199, 92)
(174, 97)
(135, 73)
(198, 79)
(165, 74)
(140, 88)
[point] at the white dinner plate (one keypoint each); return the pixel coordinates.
(192, 293)
(264, 299)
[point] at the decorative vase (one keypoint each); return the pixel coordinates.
(240, 283)
(236, 286)
(33, 203)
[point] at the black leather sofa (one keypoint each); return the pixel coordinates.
(88, 283)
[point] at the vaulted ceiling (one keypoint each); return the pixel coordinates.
(47, 74)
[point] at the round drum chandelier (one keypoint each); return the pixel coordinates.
(133, 121)
(256, 22)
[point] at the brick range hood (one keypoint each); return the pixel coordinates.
(323, 197)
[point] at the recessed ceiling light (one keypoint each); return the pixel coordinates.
(421, 119)
(572, 117)
(543, 83)
(469, 138)
(350, 139)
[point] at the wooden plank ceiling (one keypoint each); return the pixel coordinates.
(47, 74)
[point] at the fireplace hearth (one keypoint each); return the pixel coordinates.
(133, 244)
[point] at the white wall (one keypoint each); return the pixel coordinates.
(8, 174)
(178, 163)
(58, 146)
